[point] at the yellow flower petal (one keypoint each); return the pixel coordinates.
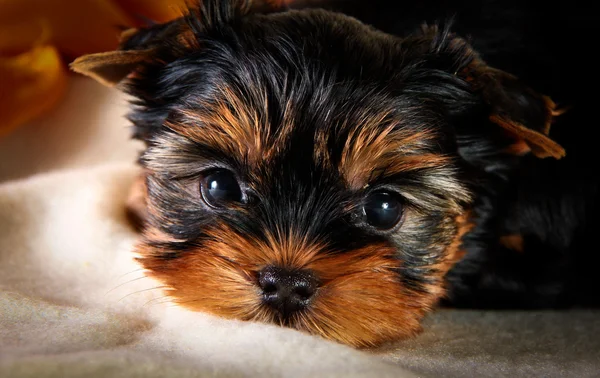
(30, 84)
(33, 79)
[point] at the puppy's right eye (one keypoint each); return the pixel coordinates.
(219, 188)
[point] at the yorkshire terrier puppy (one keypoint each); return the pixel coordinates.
(343, 178)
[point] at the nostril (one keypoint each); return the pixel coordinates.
(287, 290)
(269, 288)
(304, 292)
(269, 280)
(302, 285)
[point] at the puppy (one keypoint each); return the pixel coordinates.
(343, 178)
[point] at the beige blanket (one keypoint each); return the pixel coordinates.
(73, 303)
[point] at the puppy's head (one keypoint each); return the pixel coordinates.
(307, 170)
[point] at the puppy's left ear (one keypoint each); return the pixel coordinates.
(523, 113)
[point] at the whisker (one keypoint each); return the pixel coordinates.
(260, 314)
(184, 302)
(128, 273)
(125, 283)
(240, 268)
(158, 300)
(141, 291)
(310, 321)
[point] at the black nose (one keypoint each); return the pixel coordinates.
(287, 291)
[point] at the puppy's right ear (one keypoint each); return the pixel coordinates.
(163, 43)
(110, 68)
(137, 46)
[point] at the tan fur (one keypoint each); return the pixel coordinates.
(359, 302)
(454, 251)
(513, 242)
(373, 147)
(541, 146)
(135, 205)
(232, 125)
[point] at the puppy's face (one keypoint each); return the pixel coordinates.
(320, 206)
(303, 169)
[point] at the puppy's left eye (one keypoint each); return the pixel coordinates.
(219, 188)
(383, 210)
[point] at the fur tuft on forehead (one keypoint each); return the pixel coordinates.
(235, 125)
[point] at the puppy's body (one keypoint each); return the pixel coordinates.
(305, 169)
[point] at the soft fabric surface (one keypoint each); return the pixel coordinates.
(73, 303)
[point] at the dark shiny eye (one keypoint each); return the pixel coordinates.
(219, 188)
(383, 210)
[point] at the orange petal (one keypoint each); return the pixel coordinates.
(30, 84)
(75, 27)
(155, 10)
